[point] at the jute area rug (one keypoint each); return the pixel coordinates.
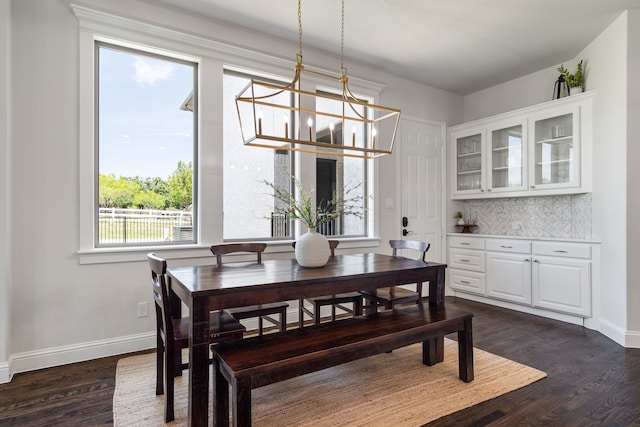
(390, 389)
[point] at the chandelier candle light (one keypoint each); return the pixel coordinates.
(373, 127)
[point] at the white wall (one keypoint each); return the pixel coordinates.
(5, 252)
(606, 65)
(611, 65)
(633, 178)
(53, 310)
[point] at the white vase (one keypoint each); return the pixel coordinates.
(312, 249)
(575, 90)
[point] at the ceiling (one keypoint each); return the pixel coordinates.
(460, 46)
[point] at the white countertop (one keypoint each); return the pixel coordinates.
(506, 236)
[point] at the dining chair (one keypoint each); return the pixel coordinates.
(173, 334)
(335, 301)
(261, 311)
(393, 295)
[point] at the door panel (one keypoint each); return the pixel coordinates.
(421, 170)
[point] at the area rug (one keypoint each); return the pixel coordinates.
(390, 389)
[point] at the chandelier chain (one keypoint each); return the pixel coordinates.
(300, 28)
(342, 40)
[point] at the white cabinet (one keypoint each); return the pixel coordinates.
(507, 157)
(466, 264)
(546, 275)
(555, 150)
(541, 150)
(509, 270)
(468, 153)
(562, 282)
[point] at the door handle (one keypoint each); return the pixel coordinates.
(406, 232)
(405, 221)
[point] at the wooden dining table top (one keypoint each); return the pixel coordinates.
(245, 283)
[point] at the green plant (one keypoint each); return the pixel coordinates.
(458, 215)
(303, 209)
(573, 80)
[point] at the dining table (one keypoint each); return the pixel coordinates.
(207, 288)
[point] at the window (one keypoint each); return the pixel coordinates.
(250, 211)
(338, 176)
(220, 188)
(146, 148)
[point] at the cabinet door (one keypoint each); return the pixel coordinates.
(555, 150)
(506, 162)
(509, 277)
(468, 162)
(562, 284)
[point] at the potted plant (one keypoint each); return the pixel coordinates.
(575, 81)
(312, 248)
(460, 218)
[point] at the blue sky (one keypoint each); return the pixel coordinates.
(143, 132)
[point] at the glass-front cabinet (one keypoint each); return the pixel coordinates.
(545, 149)
(469, 162)
(507, 160)
(555, 151)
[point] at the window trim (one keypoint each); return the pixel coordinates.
(212, 57)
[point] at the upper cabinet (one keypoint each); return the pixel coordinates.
(539, 150)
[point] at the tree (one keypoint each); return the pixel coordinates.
(149, 200)
(181, 186)
(116, 193)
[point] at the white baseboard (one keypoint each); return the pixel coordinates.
(628, 339)
(56, 356)
(4, 373)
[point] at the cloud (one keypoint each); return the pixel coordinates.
(150, 71)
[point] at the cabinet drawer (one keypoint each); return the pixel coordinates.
(570, 250)
(466, 242)
(467, 281)
(466, 260)
(504, 245)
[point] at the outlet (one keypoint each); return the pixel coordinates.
(143, 309)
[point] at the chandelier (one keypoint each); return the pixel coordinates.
(294, 118)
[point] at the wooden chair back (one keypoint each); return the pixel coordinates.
(161, 295)
(229, 248)
(333, 244)
(416, 245)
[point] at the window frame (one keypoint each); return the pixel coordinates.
(212, 57)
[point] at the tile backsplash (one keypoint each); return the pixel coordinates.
(567, 216)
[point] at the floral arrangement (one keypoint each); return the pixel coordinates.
(303, 209)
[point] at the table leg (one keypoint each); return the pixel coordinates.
(436, 299)
(199, 363)
(436, 288)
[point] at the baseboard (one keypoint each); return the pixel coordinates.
(56, 356)
(628, 339)
(5, 377)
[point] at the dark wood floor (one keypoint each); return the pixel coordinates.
(591, 381)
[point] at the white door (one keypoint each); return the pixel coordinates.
(422, 156)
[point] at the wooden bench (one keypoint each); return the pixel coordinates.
(259, 361)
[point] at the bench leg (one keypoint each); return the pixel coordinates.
(220, 397)
(433, 351)
(465, 352)
(241, 402)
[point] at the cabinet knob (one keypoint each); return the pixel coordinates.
(535, 260)
(527, 260)
(533, 186)
(489, 190)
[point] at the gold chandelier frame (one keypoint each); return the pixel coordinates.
(356, 128)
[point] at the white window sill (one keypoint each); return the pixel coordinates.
(139, 253)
